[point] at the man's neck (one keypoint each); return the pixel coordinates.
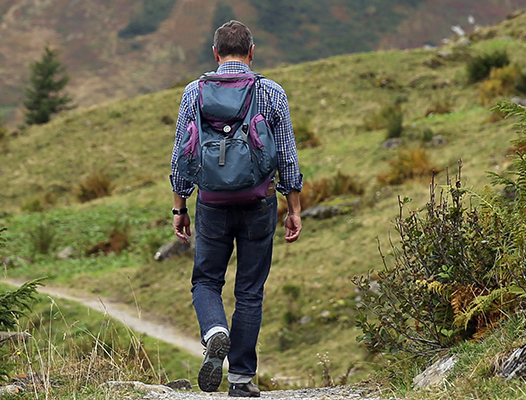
(244, 60)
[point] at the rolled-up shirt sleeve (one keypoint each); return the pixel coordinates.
(278, 115)
(187, 113)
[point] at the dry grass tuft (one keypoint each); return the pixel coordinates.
(94, 187)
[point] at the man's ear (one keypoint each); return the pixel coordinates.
(216, 56)
(251, 53)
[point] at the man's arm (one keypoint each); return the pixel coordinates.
(181, 223)
(293, 221)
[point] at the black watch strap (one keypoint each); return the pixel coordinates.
(181, 211)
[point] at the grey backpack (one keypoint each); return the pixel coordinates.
(229, 151)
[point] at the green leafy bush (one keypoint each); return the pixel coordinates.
(13, 305)
(457, 271)
(42, 237)
(479, 67)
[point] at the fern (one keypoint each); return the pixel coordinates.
(486, 303)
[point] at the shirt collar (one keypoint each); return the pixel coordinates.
(233, 67)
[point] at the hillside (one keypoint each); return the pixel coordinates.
(309, 315)
(123, 49)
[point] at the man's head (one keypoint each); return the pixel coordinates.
(233, 40)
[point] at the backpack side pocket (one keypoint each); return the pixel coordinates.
(187, 158)
(262, 142)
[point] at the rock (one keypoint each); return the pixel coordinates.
(328, 211)
(392, 143)
(515, 365)
(66, 253)
(436, 374)
(15, 337)
(172, 249)
(519, 100)
(180, 384)
(138, 386)
(10, 389)
(438, 140)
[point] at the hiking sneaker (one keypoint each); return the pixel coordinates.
(211, 372)
(244, 390)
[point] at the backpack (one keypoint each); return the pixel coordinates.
(229, 152)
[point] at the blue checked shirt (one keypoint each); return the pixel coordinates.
(272, 103)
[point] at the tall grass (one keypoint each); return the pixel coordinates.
(73, 352)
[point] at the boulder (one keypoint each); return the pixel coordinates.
(180, 384)
(515, 365)
(173, 249)
(436, 374)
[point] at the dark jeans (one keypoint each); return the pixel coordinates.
(252, 227)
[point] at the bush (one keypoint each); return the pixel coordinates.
(479, 67)
(304, 135)
(315, 192)
(409, 164)
(388, 115)
(395, 125)
(13, 305)
(148, 18)
(42, 237)
(94, 187)
(457, 271)
(119, 240)
(442, 104)
(501, 82)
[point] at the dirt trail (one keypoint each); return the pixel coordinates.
(128, 315)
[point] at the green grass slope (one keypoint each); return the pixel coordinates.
(308, 323)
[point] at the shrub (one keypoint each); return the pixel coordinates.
(457, 271)
(502, 81)
(442, 104)
(14, 305)
(33, 204)
(118, 240)
(4, 146)
(395, 125)
(409, 164)
(42, 237)
(381, 118)
(479, 67)
(95, 186)
(315, 192)
(304, 135)
(148, 18)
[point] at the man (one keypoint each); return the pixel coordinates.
(251, 226)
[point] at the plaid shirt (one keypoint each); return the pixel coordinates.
(272, 103)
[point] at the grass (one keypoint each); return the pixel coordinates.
(129, 141)
(74, 350)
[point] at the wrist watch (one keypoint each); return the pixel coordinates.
(180, 211)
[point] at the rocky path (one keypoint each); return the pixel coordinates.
(139, 323)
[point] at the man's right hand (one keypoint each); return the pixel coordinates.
(292, 227)
(181, 224)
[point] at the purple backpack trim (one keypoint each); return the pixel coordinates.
(250, 196)
(255, 142)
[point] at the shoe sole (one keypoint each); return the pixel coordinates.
(243, 394)
(211, 371)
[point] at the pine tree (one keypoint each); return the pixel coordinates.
(47, 80)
